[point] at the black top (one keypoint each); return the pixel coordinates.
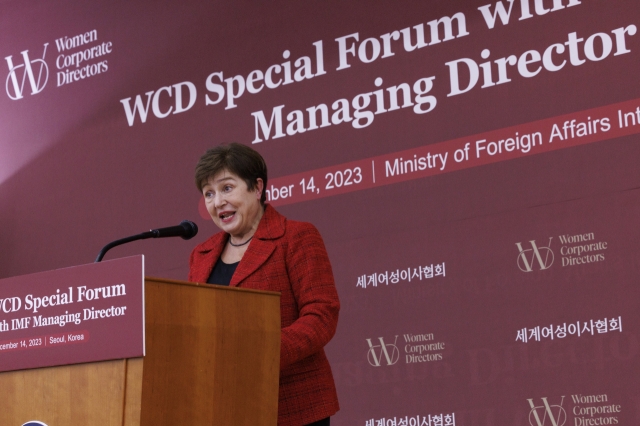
(222, 273)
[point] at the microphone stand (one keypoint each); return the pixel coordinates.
(186, 230)
(112, 244)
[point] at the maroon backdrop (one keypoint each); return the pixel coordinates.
(478, 194)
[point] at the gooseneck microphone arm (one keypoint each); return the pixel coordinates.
(121, 241)
(185, 230)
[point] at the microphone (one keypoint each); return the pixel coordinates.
(186, 230)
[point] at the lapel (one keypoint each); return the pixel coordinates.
(209, 252)
(270, 228)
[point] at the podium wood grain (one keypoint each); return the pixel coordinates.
(212, 358)
(84, 394)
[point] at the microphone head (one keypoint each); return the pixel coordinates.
(190, 229)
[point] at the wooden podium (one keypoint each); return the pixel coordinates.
(212, 358)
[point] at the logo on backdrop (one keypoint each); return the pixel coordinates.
(33, 71)
(547, 414)
(583, 410)
(417, 348)
(578, 249)
(534, 257)
(78, 57)
(386, 353)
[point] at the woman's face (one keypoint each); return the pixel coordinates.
(233, 208)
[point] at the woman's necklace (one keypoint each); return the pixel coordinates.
(241, 244)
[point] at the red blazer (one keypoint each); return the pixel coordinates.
(289, 257)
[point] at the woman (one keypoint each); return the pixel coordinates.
(261, 249)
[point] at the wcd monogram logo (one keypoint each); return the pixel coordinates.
(544, 415)
(527, 258)
(26, 70)
(383, 352)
